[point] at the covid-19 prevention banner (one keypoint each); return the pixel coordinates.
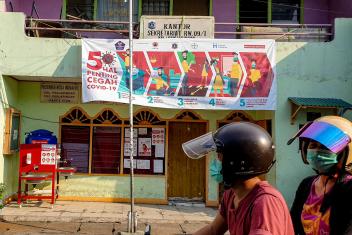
(181, 73)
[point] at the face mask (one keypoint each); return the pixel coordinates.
(235, 59)
(321, 160)
(215, 170)
(135, 71)
(253, 66)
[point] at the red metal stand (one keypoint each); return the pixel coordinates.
(38, 163)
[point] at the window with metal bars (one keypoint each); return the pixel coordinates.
(94, 144)
(116, 10)
(106, 149)
(105, 154)
(156, 7)
(83, 9)
(285, 11)
(253, 11)
(75, 147)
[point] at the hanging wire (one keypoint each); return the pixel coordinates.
(25, 116)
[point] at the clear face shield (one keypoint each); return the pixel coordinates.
(200, 146)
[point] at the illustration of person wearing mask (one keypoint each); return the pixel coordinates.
(186, 68)
(254, 76)
(127, 59)
(219, 81)
(138, 80)
(235, 74)
(205, 70)
(160, 83)
(127, 66)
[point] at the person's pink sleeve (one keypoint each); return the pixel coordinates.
(270, 216)
(223, 205)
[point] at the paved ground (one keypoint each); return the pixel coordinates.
(100, 218)
(34, 228)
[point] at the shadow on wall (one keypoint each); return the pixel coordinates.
(70, 62)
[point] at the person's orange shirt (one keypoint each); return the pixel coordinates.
(185, 66)
(236, 71)
(127, 61)
(160, 83)
(255, 75)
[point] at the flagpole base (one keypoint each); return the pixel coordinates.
(132, 222)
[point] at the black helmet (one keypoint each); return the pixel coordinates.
(247, 150)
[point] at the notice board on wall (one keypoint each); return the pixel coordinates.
(60, 93)
(177, 27)
(12, 131)
(149, 150)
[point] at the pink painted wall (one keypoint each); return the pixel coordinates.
(340, 9)
(47, 9)
(224, 11)
(316, 12)
(325, 11)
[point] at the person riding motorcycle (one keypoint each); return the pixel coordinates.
(321, 204)
(249, 205)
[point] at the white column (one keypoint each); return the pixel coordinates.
(2, 5)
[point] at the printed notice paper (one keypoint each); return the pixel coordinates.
(158, 166)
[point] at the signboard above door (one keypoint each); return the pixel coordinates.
(177, 27)
(60, 93)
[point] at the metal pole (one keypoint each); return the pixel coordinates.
(132, 222)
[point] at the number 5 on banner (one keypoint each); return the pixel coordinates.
(94, 56)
